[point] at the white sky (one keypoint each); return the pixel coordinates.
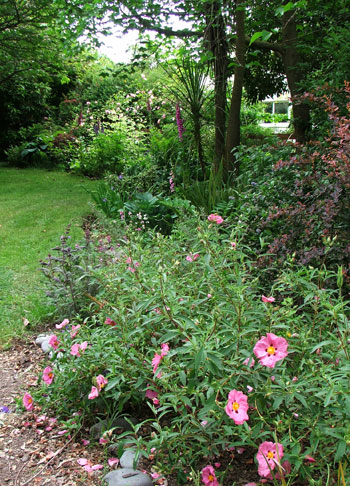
(116, 46)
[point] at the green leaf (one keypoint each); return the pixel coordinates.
(340, 450)
(255, 37)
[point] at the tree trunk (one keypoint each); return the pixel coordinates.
(233, 136)
(217, 43)
(295, 76)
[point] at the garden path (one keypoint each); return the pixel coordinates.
(30, 455)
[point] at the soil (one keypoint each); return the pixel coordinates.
(30, 455)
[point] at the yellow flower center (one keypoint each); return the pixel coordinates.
(30, 400)
(270, 455)
(211, 478)
(50, 375)
(235, 406)
(271, 350)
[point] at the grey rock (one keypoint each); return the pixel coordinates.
(128, 477)
(128, 458)
(114, 448)
(41, 338)
(45, 346)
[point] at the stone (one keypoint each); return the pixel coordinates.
(41, 338)
(128, 458)
(45, 346)
(128, 477)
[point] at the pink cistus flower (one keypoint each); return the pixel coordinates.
(74, 331)
(101, 382)
(270, 349)
(267, 299)
(64, 323)
(208, 476)
(89, 468)
(76, 348)
(110, 322)
(156, 361)
(93, 393)
(215, 218)
(48, 375)
(237, 407)
(179, 122)
(28, 402)
(53, 341)
(269, 456)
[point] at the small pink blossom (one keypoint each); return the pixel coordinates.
(28, 401)
(165, 349)
(93, 394)
(74, 350)
(74, 331)
(240, 450)
(204, 423)
(101, 382)
(215, 218)
(156, 361)
(250, 388)
(48, 375)
(62, 432)
(233, 244)
(249, 361)
(131, 269)
(85, 442)
(294, 379)
(155, 475)
(102, 440)
(269, 455)
(309, 458)
(237, 407)
(217, 464)
(53, 341)
(267, 299)
(110, 322)
(64, 323)
(209, 296)
(208, 476)
(151, 394)
(113, 461)
(270, 349)
(272, 377)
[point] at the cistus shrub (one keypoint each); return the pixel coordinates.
(182, 337)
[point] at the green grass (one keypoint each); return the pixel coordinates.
(35, 208)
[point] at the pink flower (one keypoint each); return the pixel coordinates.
(215, 218)
(250, 388)
(74, 331)
(179, 122)
(309, 458)
(28, 401)
(110, 322)
(128, 260)
(233, 244)
(48, 375)
(151, 394)
(53, 341)
(269, 455)
(249, 361)
(165, 349)
(237, 407)
(156, 361)
(208, 476)
(74, 350)
(102, 440)
(270, 349)
(83, 346)
(63, 324)
(113, 461)
(217, 464)
(155, 475)
(267, 299)
(93, 394)
(85, 442)
(101, 382)
(204, 423)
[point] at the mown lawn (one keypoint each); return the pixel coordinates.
(35, 208)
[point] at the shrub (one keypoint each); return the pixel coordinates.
(176, 323)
